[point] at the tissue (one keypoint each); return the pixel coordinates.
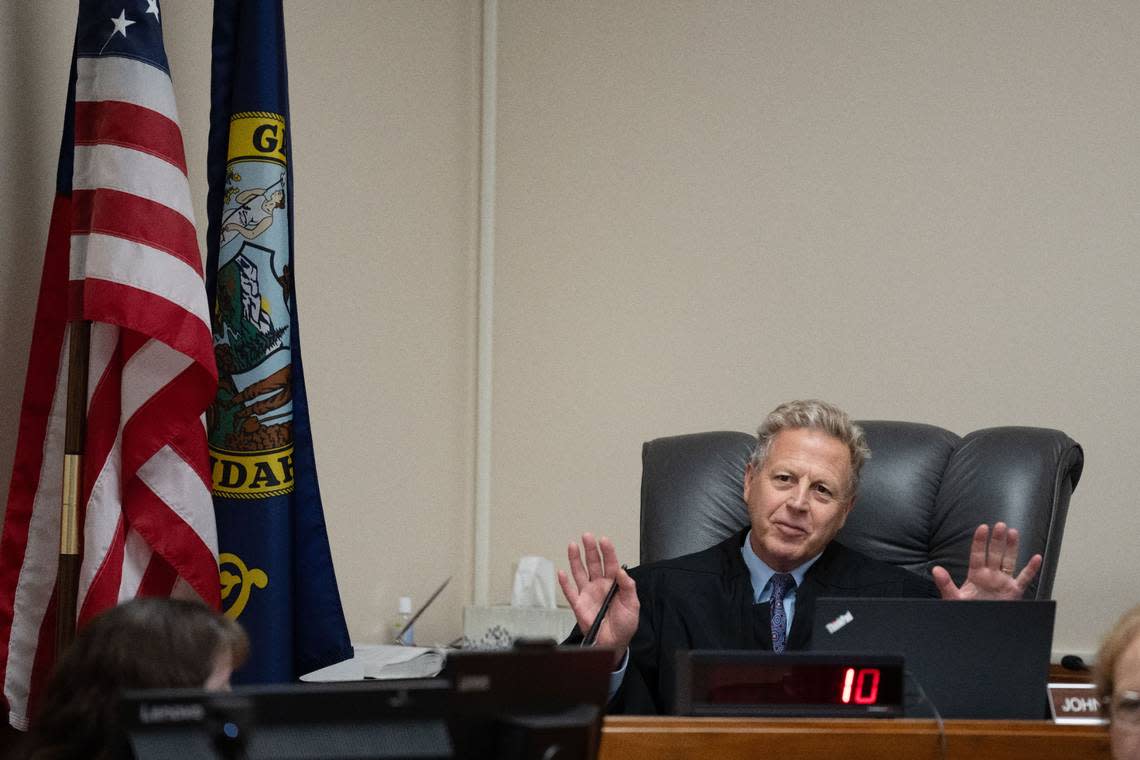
(534, 583)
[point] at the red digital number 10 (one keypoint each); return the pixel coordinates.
(861, 686)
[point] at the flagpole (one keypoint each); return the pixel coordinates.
(67, 577)
(123, 203)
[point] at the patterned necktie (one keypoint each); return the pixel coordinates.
(781, 582)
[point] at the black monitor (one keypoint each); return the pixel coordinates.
(373, 719)
(529, 702)
(535, 701)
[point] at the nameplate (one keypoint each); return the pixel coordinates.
(1075, 704)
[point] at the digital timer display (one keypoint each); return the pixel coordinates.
(797, 683)
(861, 686)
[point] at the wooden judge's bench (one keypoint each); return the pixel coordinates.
(668, 738)
(628, 737)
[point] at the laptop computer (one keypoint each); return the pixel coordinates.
(978, 659)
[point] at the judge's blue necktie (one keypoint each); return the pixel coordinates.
(781, 582)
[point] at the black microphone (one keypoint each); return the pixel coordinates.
(1073, 662)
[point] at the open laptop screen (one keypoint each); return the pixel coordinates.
(976, 659)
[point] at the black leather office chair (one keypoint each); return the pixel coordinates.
(922, 494)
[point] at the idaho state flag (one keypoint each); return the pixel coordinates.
(273, 550)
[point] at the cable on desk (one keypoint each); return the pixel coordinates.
(934, 709)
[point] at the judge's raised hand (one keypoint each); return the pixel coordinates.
(592, 580)
(993, 560)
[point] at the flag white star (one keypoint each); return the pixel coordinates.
(121, 23)
(152, 7)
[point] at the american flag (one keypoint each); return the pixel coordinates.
(121, 252)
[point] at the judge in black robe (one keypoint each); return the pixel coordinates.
(799, 487)
(705, 601)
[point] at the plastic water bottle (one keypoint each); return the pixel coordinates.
(402, 617)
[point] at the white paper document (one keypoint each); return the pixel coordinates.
(383, 661)
(403, 662)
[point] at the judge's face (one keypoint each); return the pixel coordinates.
(1125, 729)
(797, 499)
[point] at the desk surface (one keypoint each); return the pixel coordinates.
(664, 738)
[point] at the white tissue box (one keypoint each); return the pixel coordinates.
(498, 625)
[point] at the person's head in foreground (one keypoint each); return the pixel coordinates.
(1118, 684)
(144, 643)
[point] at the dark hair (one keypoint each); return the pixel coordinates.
(140, 644)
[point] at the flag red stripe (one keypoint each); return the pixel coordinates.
(39, 390)
(162, 419)
(146, 313)
(132, 217)
(104, 589)
(103, 413)
(159, 578)
(130, 343)
(170, 536)
(114, 122)
(45, 655)
(195, 451)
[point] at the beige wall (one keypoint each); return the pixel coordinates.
(919, 211)
(923, 211)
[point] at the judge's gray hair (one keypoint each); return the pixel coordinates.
(815, 415)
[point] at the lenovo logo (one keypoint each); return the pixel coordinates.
(839, 622)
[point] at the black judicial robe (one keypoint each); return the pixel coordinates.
(704, 601)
